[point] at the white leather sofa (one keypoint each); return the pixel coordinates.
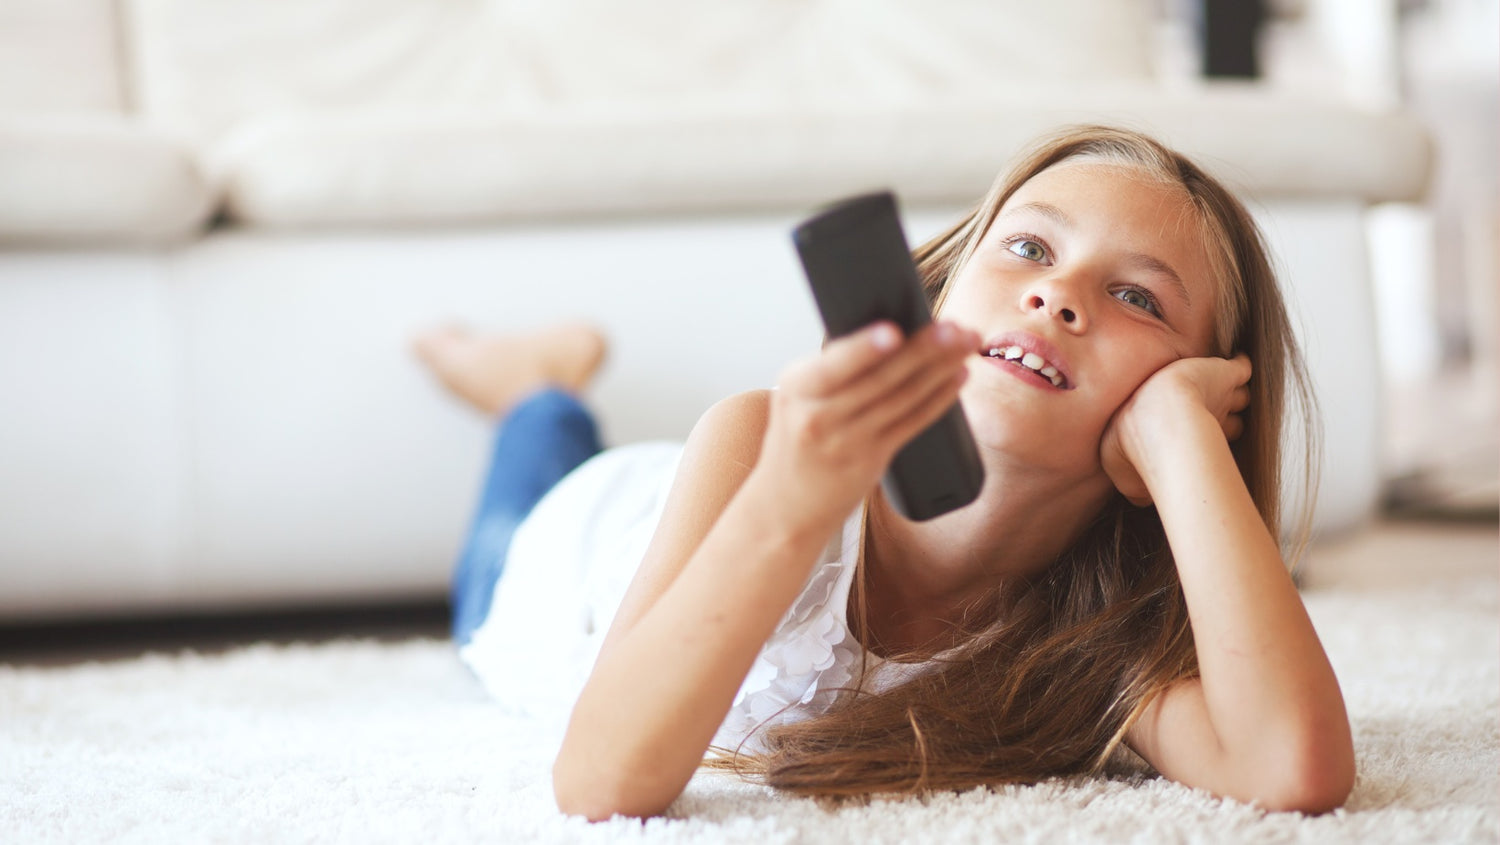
(221, 221)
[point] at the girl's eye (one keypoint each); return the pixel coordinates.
(1140, 299)
(1027, 249)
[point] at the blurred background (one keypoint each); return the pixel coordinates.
(1433, 262)
(221, 221)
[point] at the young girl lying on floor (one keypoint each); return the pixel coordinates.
(1109, 320)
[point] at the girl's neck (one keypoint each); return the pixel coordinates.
(922, 578)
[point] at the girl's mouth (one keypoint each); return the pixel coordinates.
(1029, 362)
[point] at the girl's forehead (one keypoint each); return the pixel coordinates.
(1088, 177)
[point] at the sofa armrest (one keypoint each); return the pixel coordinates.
(97, 179)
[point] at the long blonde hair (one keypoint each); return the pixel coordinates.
(1051, 676)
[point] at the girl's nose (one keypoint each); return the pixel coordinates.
(1054, 301)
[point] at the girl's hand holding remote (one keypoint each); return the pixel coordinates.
(837, 419)
(1215, 387)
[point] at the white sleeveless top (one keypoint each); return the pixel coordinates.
(568, 567)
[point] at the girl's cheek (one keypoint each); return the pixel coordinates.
(1144, 375)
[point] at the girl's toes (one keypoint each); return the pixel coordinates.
(436, 345)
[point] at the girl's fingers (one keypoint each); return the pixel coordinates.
(867, 390)
(843, 360)
(885, 391)
(855, 376)
(1239, 400)
(1243, 370)
(1233, 427)
(934, 400)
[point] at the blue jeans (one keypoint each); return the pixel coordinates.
(543, 438)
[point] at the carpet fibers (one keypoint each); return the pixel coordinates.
(368, 741)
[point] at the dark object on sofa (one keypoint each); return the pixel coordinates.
(1230, 34)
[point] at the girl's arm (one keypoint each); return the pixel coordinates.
(1265, 721)
(765, 481)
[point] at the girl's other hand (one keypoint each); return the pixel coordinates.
(1216, 386)
(837, 419)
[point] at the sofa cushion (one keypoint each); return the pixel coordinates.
(96, 179)
(434, 165)
(207, 65)
(60, 56)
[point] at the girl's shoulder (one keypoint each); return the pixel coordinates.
(727, 438)
(742, 416)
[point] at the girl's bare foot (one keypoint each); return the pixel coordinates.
(492, 371)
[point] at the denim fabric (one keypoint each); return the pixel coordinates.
(543, 438)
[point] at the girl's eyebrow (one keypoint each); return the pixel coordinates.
(1045, 209)
(1139, 260)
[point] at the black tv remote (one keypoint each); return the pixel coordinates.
(860, 269)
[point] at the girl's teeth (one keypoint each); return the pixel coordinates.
(1030, 360)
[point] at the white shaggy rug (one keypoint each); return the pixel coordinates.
(358, 741)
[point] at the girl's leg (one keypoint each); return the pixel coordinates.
(528, 384)
(544, 437)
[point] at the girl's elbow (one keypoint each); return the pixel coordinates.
(574, 801)
(597, 796)
(1318, 779)
(583, 794)
(1314, 796)
(1327, 787)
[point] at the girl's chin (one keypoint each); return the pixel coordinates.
(1041, 443)
(1037, 448)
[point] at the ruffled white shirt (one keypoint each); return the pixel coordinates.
(567, 570)
(810, 656)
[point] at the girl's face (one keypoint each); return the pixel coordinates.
(1091, 278)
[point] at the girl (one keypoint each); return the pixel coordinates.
(1109, 320)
